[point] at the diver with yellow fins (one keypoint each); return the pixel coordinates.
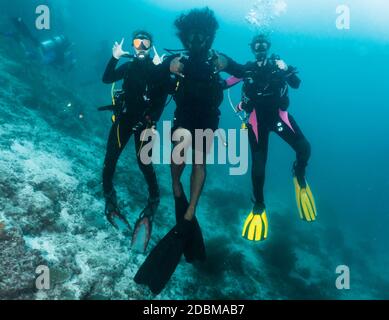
(265, 99)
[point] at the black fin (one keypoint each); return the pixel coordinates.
(195, 249)
(162, 261)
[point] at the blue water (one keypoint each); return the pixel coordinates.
(342, 108)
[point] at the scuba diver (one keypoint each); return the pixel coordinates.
(56, 51)
(265, 99)
(137, 107)
(198, 96)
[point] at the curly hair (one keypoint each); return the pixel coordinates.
(197, 20)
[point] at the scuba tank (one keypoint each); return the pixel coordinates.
(55, 43)
(118, 102)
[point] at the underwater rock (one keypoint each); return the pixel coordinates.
(17, 266)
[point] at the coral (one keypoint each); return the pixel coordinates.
(17, 266)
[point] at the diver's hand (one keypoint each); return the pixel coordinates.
(220, 62)
(117, 50)
(139, 126)
(282, 65)
(147, 123)
(151, 124)
(177, 67)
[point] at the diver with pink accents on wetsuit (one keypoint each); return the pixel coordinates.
(265, 99)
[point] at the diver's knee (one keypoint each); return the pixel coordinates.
(145, 168)
(199, 168)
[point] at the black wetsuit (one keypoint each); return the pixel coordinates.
(198, 95)
(265, 98)
(146, 91)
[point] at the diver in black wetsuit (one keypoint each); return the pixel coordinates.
(145, 95)
(265, 98)
(198, 96)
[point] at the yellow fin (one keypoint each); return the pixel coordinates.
(298, 198)
(305, 205)
(247, 222)
(305, 202)
(312, 199)
(255, 227)
(265, 224)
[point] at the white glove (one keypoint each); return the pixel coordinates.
(117, 50)
(282, 65)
